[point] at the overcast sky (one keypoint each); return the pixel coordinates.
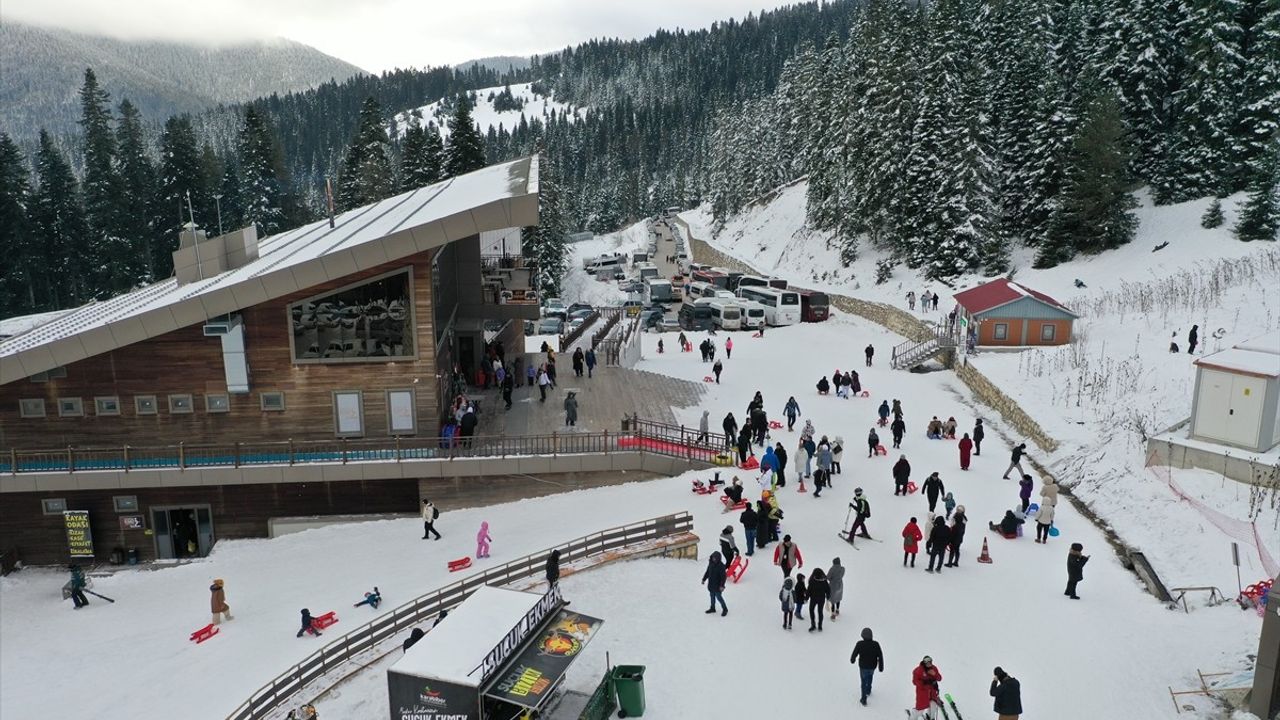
(383, 34)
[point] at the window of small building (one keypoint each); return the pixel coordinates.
(1001, 331)
(180, 404)
(145, 404)
(370, 321)
(402, 415)
(348, 413)
(271, 401)
(219, 403)
(109, 405)
(31, 407)
(53, 506)
(1048, 332)
(70, 407)
(51, 374)
(125, 503)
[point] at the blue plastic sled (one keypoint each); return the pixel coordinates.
(1053, 531)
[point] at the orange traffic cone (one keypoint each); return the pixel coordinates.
(985, 557)
(802, 487)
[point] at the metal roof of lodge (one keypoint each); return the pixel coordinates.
(496, 197)
(1002, 291)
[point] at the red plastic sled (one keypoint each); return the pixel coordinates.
(708, 379)
(866, 393)
(756, 335)
(881, 451)
(737, 567)
(775, 425)
(459, 564)
(325, 620)
(204, 633)
(730, 507)
(702, 488)
(751, 464)
(911, 487)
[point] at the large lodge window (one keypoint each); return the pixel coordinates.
(370, 321)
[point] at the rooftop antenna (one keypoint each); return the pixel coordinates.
(194, 240)
(328, 196)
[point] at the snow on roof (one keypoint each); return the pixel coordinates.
(459, 644)
(24, 323)
(1001, 291)
(1248, 362)
(496, 197)
(1269, 343)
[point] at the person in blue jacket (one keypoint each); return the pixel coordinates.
(884, 413)
(792, 411)
(372, 599)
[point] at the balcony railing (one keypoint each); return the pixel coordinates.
(509, 279)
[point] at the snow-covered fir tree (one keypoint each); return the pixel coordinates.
(366, 169)
(420, 155)
(59, 230)
(261, 183)
(181, 180)
(545, 243)
(105, 250)
(18, 281)
(138, 186)
(1260, 214)
(465, 151)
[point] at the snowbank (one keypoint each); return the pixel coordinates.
(484, 113)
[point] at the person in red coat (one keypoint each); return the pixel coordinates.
(926, 677)
(966, 446)
(911, 537)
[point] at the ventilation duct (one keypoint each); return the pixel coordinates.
(235, 363)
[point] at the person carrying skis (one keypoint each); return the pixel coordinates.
(728, 547)
(372, 599)
(785, 597)
(483, 540)
(218, 602)
(1015, 461)
(835, 578)
(869, 658)
(749, 520)
(911, 537)
(1024, 491)
(837, 453)
(869, 352)
(933, 488)
(819, 591)
(1007, 692)
(901, 475)
(925, 678)
(936, 546)
(308, 624)
(898, 428)
(714, 578)
(958, 524)
(792, 411)
(861, 512)
(883, 411)
(787, 556)
(966, 446)
(873, 442)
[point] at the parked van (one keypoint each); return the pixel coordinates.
(607, 265)
(657, 291)
(725, 314)
(753, 317)
(696, 316)
(647, 270)
(606, 261)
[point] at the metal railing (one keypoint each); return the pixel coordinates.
(130, 458)
(368, 637)
(567, 340)
(912, 351)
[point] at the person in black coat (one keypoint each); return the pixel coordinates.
(730, 430)
(713, 578)
(413, 639)
(553, 568)
(763, 529)
(1075, 569)
(824, 386)
(936, 545)
(819, 591)
(977, 435)
(750, 522)
(959, 521)
(1193, 339)
(781, 454)
(1007, 691)
(744, 444)
(932, 488)
(508, 384)
(868, 656)
(901, 475)
(898, 428)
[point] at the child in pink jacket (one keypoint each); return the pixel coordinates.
(483, 540)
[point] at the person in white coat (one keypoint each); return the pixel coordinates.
(1049, 492)
(837, 452)
(1044, 521)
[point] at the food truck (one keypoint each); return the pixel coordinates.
(498, 654)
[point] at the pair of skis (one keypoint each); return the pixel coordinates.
(911, 714)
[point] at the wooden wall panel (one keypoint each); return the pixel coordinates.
(184, 361)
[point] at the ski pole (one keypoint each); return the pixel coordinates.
(104, 597)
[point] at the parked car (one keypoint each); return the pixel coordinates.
(670, 323)
(651, 319)
(619, 275)
(554, 308)
(578, 306)
(580, 315)
(574, 324)
(551, 326)
(631, 286)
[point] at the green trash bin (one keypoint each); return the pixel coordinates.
(628, 683)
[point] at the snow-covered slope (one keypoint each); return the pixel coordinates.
(484, 113)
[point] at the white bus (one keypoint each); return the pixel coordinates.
(698, 290)
(646, 270)
(781, 307)
(657, 291)
(752, 314)
(726, 314)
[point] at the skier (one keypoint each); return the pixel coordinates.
(911, 537)
(873, 442)
(429, 516)
(1015, 461)
(308, 624)
(933, 430)
(1075, 569)
(966, 446)
(571, 409)
(218, 602)
(1007, 692)
(728, 547)
(1193, 339)
(578, 362)
(728, 348)
(716, 370)
(1024, 491)
(785, 596)
(714, 578)
(553, 568)
(372, 599)
(819, 591)
(861, 512)
(867, 654)
(926, 677)
(792, 411)
(901, 475)
(870, 351)
(883, 412)
(483, 540)
(936, 546)
(787, 556)
(958, 524)
(780, 453)
(730, 427)
(800, 595)
(1049, 492)
(1044, 521)
(898, 428)
(835, 578)
(749, 520)
(932, 488)
(949, 502)
(704, 428)
(837, 453)
(591, 362)
(978, 433)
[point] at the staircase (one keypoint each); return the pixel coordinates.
(913, 352)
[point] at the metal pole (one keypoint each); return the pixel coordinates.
(217, 199)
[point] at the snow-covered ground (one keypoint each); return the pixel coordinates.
(579, 286)
(486, 116)
(1111, 655)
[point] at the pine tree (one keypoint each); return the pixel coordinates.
(181, 180)
(231, 203)
(366, 170)
(545, 242)
(17, 282)
(106, 251)
(465, 151)
(1095, 211)
(137, 185)
(1260, 215)
(420, 156)
(59, 230)
(261, 175)
(1212, 216)
(1259, 119)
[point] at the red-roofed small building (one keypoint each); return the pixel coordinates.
(1003, 313)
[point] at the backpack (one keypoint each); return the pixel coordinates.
(435, 513)
(837, 450)
(866, 509)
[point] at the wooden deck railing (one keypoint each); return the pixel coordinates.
(264, 702)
